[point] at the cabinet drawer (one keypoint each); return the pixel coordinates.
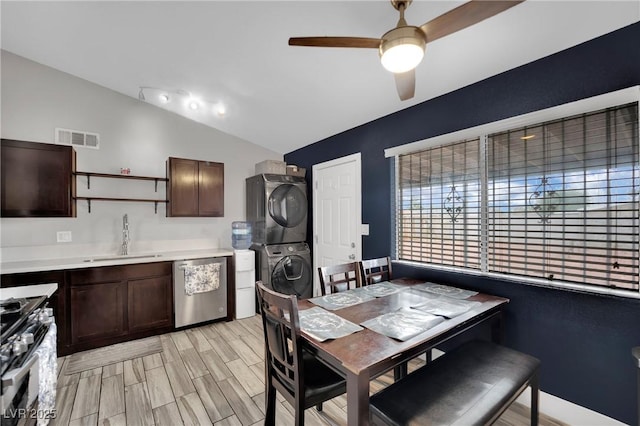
(118, 273)
(244, 261)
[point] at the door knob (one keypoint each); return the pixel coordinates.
(353, 245)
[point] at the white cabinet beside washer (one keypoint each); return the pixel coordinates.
(245, 283)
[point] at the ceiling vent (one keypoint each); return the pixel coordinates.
(77, 138)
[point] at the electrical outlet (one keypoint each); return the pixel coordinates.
(63, 236)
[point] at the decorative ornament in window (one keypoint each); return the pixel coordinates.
(453, 204)
(544, 200)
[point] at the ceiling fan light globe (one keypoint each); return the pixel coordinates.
(402, 49)
(402, 58)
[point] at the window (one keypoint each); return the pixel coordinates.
(439, 219)
(555, 201)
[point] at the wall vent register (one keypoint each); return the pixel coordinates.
(77, 138)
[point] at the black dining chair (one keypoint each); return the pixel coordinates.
(342, 277)
(376, 270)
(290, 369)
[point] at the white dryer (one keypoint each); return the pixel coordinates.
(277, 208)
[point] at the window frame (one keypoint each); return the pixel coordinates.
(608, 100)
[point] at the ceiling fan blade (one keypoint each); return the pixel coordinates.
(362, 42)
(406, 84)
(464, 16)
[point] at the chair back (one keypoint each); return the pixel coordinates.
(338, 278)
(281, 326)
(376, 270)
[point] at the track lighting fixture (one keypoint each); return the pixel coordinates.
(188, 100)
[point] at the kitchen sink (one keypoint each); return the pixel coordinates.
(121, 257)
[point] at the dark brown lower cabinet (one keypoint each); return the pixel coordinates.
(113, 304)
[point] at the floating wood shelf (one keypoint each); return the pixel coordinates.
(89, 175)
(114, 176)
(135, 200)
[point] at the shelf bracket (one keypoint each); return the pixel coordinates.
(156, 180)
(89, 203)
(89, 187)
(156, 203)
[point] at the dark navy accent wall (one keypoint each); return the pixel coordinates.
(583, 340)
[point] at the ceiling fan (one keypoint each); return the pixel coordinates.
(402, 48)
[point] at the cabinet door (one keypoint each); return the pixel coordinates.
(183, 187)
(150, 303)
(37, 179)
(211, 189)
(98, 311)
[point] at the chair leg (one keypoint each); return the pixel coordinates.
(299, 413)
(270, 401)
(535, 391)
(319, 407)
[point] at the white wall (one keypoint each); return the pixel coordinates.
(36, 99)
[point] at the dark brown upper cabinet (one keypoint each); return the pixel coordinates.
(37, 179)
(196, 188)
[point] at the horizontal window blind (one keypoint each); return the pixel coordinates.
(439, 205)
(563, 199)
(556, 201)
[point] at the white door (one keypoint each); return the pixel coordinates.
(337, 213)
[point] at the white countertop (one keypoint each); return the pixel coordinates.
(29, 291)
(108, 260)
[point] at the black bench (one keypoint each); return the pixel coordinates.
(470, 385)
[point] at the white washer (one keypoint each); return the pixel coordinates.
(245, 283)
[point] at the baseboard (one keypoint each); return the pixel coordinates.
(567, 412)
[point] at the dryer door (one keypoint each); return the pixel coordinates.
(292, 275)
(288, 205)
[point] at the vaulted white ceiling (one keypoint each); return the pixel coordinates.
(235, 53)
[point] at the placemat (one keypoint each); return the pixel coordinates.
(446, 306)
(341, 300)
(402, 324)
(445, 290)
(322, 325)
(382, 289)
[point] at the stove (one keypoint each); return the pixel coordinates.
(24, 325)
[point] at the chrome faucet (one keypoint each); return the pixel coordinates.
(125, 235)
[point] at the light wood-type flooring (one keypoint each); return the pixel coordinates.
(213, 374)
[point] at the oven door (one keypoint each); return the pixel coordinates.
(19, 391)
(34, 381)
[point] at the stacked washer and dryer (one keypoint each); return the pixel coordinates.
(277, 210)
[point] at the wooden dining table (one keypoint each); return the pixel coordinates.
(365, 355)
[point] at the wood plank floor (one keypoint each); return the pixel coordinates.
(210, 375)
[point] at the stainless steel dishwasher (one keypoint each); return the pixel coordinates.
(199, 290)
